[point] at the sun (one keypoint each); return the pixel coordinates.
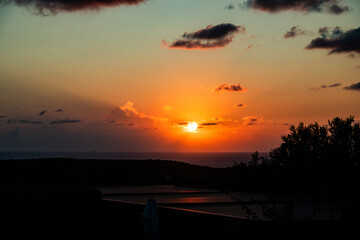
(192, 126)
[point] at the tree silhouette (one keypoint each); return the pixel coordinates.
(313, 160)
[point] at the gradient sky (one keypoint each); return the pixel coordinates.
(110, 80)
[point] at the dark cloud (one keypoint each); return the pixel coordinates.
(253, 120)
(230, 88)
(240, 105)
(274, 6)
(337, 41)
(357, 67)
(23, 121)
(210, 37)
(338, 9)
(42, 113)
(59, 110)
(230, 7)
(355, 87)
(334, 85)
(209, 124)
(53, 7)
(295, 31)
(2, 116)
(183, 123)
(64, 121)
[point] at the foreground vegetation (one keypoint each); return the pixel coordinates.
(317, 161)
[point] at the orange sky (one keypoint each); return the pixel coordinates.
(118, 87)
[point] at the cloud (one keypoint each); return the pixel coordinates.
(355, 87)
(42, 113)
(294, 32)
(64, 121)
(334, 85)
(230, 7)
(23, 121)
(249, 47)
(53, 7)
(59, 110)
(217, 36)
(128, 114)
(207, 124)
(275, 6)
(252, 120)
(183, 123)
(283, 124)
(230, 88)
(130, 111)
(336, 40)
(2, 116)
(240, 105)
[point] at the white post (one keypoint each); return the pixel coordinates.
(151, 220)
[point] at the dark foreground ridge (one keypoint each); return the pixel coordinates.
(77, 172)
(58, 199)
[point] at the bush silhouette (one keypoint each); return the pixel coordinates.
(313, 159)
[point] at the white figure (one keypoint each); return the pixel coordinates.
(151, 220)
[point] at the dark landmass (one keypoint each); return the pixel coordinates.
(57, 199)
(77, 172)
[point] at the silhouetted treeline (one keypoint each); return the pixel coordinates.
(313, 160)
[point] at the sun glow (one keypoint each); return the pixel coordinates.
(192, 126)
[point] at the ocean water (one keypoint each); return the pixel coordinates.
(211, 159)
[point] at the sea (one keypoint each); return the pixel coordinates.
(210, 159)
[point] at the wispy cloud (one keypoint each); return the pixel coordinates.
(64, 121)
(42, 113)
(229, 88)
(23, 121)
(240, 105)
(53, 7)
(217, 36)
(252, 120)
(334, 85)
(207, 124)
(229, 7)
(295, 31)
(330, 6)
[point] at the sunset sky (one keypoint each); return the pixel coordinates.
(129, 75)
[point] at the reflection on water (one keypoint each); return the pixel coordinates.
(178, 198)
(215, 202)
